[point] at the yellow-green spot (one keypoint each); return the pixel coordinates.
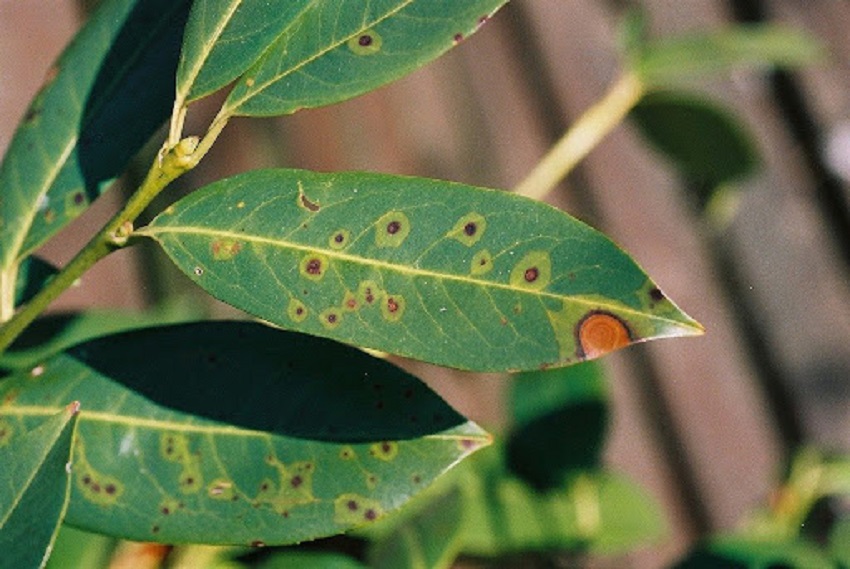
(347, 453)
(339, 239)
(385, 450)
(313, 266)
(469, 229)
(354, 509)
(350, 302)
(169, 506)
(221, 489)
(225, 249)
(76, 202)
(365, 43)
(297, 310)
(371, 481)
(392, 307)
(482, 263)
(174, 447)
(96, 487)
(391, 229)
(369, 293)
(533, 271)
(294, 486)
(330, 318)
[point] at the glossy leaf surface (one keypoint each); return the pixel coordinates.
(34, 493)
(706, 143)
(328, 50)
(430, 538)
(103, 99)
(665, 62)
(238, 433)
(560, 419)
(447, 273)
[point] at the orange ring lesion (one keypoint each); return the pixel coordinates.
(601, 332)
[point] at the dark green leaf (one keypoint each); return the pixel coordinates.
(330, 50)
(430, 538)
(238, 433)
(560, 418)
(56, 332)
(666, 61)
(597, 512)
(752, 553)
(104, 98)
(35, 457)
(706, 143)
(33, 273)
(451, 274)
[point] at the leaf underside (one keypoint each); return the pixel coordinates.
(236, 433)
(451, 274)
(100, 103)
(34, 493)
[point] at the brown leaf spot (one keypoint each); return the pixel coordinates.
(599, 333)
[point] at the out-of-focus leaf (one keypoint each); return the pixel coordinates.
(308, 560)
(328, 50)
(664, 62)
(56, 332)
(430, 538)
(33, 274)
(233, 432)
(455, 275)
(597, 512)
(103, 99)
(747, 553)
(560, 418)
(80, 549)
(706, 143)
(839, 542)
(34, 460)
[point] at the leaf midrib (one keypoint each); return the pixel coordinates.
(231, 107)
(152, 231)
(164, 425)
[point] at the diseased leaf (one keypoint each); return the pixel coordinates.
(447, 273)
(233, 432)
(706, 143)
(430, 538)
(597, 512)
(33, 274)
(560, 419)
(328, 50)
(104, 98)
(34, 460)
(666, 61)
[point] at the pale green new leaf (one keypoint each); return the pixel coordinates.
(326, 50)
(236, 433)
(35, 463)
(452, 274)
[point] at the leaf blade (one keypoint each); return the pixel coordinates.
(89, 119)
(431, 270)
(157, 465)
(34, 497)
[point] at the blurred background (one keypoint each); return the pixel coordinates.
(706, 425)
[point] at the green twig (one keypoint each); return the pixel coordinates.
(582, 137)
(168, 165)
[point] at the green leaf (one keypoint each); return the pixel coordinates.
(104, 98)
(77, 548)
(447, 273)
(839, 541)
(666, 61)
(597, 512)
(308, 560)
(233, 432)
(560, 421)
(753, 553)
(33, 274)
(56, 332)
(708, 145)
(429, 539)
(34, 460)
(328, 50)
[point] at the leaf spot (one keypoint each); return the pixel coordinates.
(385, 450)
(339, 239)
(366, 43)
(392, 229)
(393, 308)
(313, 267)
(353, 509)
(297, 310)
(225, 249)
(601, 332)
(482, 263)
(330, 318)
(534, 271)
(469, 229)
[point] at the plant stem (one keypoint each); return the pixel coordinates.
(168, 165)
(582, 137)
